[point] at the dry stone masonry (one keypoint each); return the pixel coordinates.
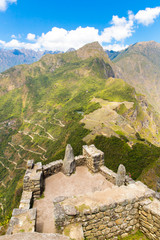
(94, 157)
(149, 219)
(106, 214)
(33, 180)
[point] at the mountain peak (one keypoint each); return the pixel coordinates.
(93, 49)
(147, 44)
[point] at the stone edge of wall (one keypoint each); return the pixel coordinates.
(16, 216)
(103, 221)
(149, 219)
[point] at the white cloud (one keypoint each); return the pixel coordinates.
(14, 43)
(116, 47)
(121, 29)
(113, 36)
(31, 36)
(61, 39)
(4, 4)
(147, 16)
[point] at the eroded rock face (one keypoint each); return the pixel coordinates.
(69, 164)
(121, 174)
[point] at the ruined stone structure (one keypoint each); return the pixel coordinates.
(106, 214)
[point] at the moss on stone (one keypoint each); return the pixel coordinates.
(82, 207)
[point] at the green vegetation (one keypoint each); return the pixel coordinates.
(122, 109)
(117, 90)
(137, 236)
(82, 207)
(135, 159)
(67, 231)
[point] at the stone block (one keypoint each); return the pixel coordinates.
(70, 210)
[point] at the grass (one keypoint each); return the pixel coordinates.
(67, 231)
(137, 236)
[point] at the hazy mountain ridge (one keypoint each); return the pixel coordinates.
(140, 67)
(10, 58)
(44, 106)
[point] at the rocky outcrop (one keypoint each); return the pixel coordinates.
(69, 164)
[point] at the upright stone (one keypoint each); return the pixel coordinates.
(69, 164)
(121, 174)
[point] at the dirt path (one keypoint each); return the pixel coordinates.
(28, 150)
(82, 182)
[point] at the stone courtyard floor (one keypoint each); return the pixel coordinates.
(80, 183)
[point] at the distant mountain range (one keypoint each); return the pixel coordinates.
(112, 54)
(10, 58)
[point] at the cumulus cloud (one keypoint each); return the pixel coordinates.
(14, 43)
(121, 29)
(116, 47)
(112, 37)
(4, 4)
(61, 39)
(147, 16)
(31, 36)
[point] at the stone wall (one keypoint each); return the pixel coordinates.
(80, 160)
(22, 220)
(103, 214)
(26, 200)
(149, 218)
(52, 168)
(33, 180)
(94, 157)
(108, 174)
(111, 176)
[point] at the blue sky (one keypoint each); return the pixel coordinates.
(59, 25)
